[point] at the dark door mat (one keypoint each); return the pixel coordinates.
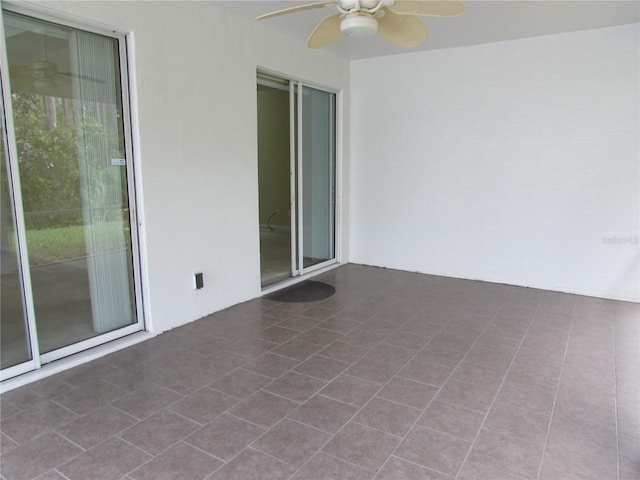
(307, 291)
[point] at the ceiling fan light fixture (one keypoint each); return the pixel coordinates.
(358, 25)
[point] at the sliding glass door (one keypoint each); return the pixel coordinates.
(15, 347)
(274, 170)
(297, 177)
(317, 180)
(68, 237)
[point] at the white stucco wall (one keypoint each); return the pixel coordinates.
(194, 68)
(513, 162)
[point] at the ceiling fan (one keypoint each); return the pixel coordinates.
(394, 20)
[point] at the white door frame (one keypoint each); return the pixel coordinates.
(39, 359)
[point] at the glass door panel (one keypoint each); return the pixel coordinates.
(317, 189)
(274, 180)
(68, 119)
(296, 177)
(14, 339)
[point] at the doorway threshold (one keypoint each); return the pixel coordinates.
(271, 288)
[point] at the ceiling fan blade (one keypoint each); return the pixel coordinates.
(326, 32)
(296, 9)
(402, 30)
(435, 8)
(81, 77)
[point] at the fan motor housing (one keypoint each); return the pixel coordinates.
(364, 4)
(359, 25)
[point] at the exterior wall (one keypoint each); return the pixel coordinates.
(194, 83)
(513, 162)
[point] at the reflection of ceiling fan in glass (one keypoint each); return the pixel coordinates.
(394, 20)
(45, 73)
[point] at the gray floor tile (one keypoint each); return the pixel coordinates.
(580, 452)
(429, 373)
(251, 347)
(223, 362)
(344, 351)
(6, 443)
(89, 396)
(373, 371)
(324, 413)
(407, 340)
(363, 337)
(452, 419)
(254, 465)
(390, 417)
(398, 469)
(408, 392)
(146, 400)
(263, 408)
(322, 367)
(186, 380)
(517, 422)
(441, 355)
(51, 475)
(295, 386)
(627, 474)
(225, 436)
(241, 383)
(37, 457)
(319, 313)
(362, 446)
(109, 460)
(469, 395)
(180, 461)
(434, 450)
(271, 365)
(203, 405)
(481, 374)
(35, 421)
(320, 336)
(159, 432)
(483, 471)
(291, 442)
(629, 452)
(7, 409)
(300, 323)
(348, 376)
(391, 354)
(278, 334)
(508, 454)
(88, 373)
(327, 467)
(528, 396)
(96, 426)
(352, 390)
(297, 349)
(341, 325)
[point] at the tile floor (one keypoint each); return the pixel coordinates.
(397, 376)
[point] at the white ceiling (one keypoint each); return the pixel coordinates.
(482, 22)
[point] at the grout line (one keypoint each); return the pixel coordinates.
(555, 397)
(361, 324)
(338, 458)
(423, 410)
(359, 409)
(504, 377)
(615, 396)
